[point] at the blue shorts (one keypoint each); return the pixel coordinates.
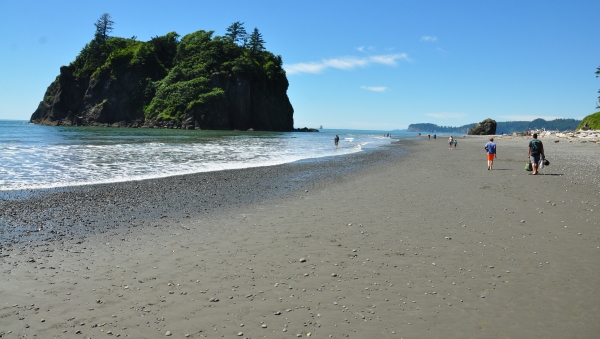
(534, 159)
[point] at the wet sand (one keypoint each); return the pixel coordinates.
(421, 243)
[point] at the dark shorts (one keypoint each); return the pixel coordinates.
(534, 159)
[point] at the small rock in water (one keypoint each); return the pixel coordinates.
(522, 221)
(302, 260)
(168, 334)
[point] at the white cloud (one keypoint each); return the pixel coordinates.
(365, 49)
(346, 63)
(528, 117)
(446, 115)
(374, 88)
(428, 38)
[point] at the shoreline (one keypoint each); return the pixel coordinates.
(24, 212)
(422, 242)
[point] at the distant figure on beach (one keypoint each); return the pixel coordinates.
(429, 137)
(434, 136)
(450, 142)
(535, 149)
(336, 140)
(490, 148)
(455, 143)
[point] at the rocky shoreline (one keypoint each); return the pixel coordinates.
(570, 136)
(75, 212)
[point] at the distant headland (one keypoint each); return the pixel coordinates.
(505, 127)
(199, 81)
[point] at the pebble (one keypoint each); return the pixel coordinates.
(168, 334)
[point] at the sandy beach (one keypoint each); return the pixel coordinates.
(412, 241)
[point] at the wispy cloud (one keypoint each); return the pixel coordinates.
(366, 49)
(374, 88)
(446, 115)
(345, 63)
(529, 117)
(429, 38)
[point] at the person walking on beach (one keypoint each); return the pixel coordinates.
(535, 149)
(490, 148)
(434, 136)
(455, 143)
(429, 137)
(336, 140)
(450, 142)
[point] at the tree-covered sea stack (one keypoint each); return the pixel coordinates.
(195, 82)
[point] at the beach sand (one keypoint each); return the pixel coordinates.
(414, 241)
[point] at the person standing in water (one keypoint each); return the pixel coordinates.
(336, 140)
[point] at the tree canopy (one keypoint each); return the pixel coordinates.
(104, 26)
(237, 33)
(176, 71)
(256, 44)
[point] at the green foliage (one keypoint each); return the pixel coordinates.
(172, 100)
(237, 33)
(173, 75)
(165, 48)
(256, 43)
(592, 120)
(104, 25)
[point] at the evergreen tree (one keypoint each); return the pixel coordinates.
(237, 33)
(256, 44)
(104, 26)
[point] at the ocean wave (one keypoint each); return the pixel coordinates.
(90, 159)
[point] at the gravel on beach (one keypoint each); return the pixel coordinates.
(410, 241)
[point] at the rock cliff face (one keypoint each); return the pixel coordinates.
(108, 102)
(199, 82)
(105, 102)
(486, 127)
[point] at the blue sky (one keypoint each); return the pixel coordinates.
(350, 64)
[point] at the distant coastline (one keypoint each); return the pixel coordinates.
(502, 127)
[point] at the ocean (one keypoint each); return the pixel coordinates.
(37, 156)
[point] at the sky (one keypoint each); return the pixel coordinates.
(350, 64)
